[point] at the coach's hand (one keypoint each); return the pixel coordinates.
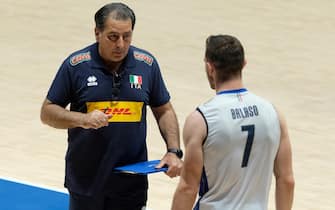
(95, 119)
(174, 164)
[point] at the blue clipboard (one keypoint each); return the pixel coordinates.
(143, 168)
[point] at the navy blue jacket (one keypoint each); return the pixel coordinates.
(84, 82)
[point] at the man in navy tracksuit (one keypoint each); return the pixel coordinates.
(108, 86)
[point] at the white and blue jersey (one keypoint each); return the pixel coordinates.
(243, 136)
(84, 82)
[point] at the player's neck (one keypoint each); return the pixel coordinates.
(229, 85)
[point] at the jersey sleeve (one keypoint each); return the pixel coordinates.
(60, 89)
(159, 94)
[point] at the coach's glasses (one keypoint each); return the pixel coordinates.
(116, 86)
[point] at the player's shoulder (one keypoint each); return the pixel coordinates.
(260, 99)
(267, 105)
(196, 123)
(208, 106)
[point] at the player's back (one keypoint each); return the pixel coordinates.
(239, 151)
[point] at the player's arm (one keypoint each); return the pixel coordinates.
(283, 170)
(194, 133)
(169, 128)
(59, 117)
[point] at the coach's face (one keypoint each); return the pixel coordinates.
(114, 40)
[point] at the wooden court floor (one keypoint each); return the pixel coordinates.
(289, 46)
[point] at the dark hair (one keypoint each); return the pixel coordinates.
(226, 53)
(120, 10)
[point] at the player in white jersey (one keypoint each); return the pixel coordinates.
(234, 142)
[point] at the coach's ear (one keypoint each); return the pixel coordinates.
(97, 34)
(244, 63)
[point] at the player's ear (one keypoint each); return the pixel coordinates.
(209, 67)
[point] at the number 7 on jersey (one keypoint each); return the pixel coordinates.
(250, 139)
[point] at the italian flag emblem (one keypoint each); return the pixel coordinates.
(135, 81)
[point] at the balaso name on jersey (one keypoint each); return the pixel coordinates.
(244, 112)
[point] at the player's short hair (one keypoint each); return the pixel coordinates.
(226, 53)
(120, 12)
